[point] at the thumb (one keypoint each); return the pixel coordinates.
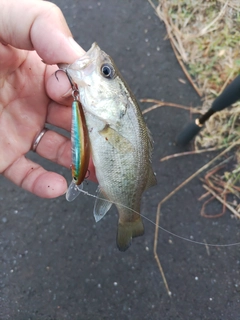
(38, 25)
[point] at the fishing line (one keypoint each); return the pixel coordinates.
(161, 228)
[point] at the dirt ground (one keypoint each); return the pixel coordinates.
(57, 263)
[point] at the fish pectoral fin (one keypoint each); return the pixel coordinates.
(127, 231)
(152, 180)
(119, 142)
(101, 206)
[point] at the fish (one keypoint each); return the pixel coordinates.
(121, 144)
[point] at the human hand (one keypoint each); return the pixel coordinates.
(30, 95)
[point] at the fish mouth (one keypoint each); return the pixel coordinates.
(82, 67)
(81, 64)
(88, 59)
(77, 71)
(84, 61)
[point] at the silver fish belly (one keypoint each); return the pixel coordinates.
(121, 144)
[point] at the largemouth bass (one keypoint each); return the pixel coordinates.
(121, 145)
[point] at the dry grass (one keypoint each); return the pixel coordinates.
(205, 36)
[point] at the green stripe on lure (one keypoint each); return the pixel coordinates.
(80, 148)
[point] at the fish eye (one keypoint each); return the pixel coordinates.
(107, 71)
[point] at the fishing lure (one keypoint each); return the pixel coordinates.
(80, 146)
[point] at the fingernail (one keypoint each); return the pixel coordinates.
(75, 46)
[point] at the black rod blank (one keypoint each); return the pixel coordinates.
(229, 96)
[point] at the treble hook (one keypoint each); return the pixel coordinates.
(75, 91)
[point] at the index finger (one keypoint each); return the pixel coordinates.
(38, 25)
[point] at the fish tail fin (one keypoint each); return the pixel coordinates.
(127, 231)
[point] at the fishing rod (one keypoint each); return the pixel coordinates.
(229, 96)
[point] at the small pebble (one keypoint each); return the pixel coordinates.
(4, 220)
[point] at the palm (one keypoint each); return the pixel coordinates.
(24, 109)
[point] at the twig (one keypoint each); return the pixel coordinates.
(219, 16)
(162, 104)
(207, 247)
(222, 162)
(212, 216)
(175, 155)
(206, 194)
(199, 171)
(222, 201)
(156, 255)
(151, 3)
(226, 82)
(231, 5)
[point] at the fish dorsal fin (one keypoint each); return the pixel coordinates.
(152, 180)
(119, 142)
(101, 206)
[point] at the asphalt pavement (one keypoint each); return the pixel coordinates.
(57, 263)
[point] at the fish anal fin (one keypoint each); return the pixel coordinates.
(127, 231)
(119, 142)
